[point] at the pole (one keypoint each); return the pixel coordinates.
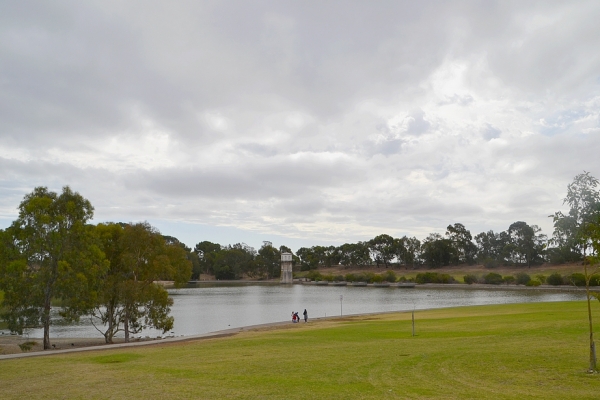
(341, 307)
(413, 322)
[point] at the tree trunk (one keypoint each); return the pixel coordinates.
(46, 322)
(592, 344)
(126, 326)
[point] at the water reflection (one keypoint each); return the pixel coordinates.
(208, 309)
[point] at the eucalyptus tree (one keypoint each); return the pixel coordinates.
(207, 252)
(437, 251)
(129, 297)
(528, 243)
(382, 249)
(49, 253)
(569, 229)
(462, 241)
(268, 261)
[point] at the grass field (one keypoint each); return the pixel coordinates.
(500, 352)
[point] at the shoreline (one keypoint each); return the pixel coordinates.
(9, 344)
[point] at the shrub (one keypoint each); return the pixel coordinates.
(493, 278)
(508, 279)
(555, 279)
(27, 345)
(470, 279)
(533, 283)
(350, 278)
(377, 279)
(577, 279)
(314, 275)
(434, 277)
(338, 278)
(390, 276)
(522, 278)
(541, 278)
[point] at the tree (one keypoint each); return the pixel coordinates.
(528, 243)
(569, 230)
(354, 254)
(49, 253)
(493, 248)
(382, 249)
(437, 251)
(234, 261)
(462, 242)
(207, 252)
(129, 298)
(268, 261)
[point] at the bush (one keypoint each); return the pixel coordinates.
(470, 279)
(434, 277)
(377, 279)
(522, 278)
(541, 278)
(577, 279)
(493, 279)
(338, 278)
(555, 279)
(350, 278)
(27, 345)
(390, 276)
(314, 275)
(533, 283)
(508, 279)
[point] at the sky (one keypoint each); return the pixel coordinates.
(300, 122)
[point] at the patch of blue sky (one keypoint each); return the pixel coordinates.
(561, 122)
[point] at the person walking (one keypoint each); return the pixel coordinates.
(305, 315)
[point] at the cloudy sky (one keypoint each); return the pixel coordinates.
(301, 122)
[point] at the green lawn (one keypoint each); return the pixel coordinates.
(499, 352)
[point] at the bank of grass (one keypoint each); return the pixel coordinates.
(501, 352)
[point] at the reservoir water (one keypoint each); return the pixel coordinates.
(208, 309)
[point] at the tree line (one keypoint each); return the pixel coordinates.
(521, 245)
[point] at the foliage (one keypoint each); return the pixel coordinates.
(522, 278)
(434, 277)
(527, 243)
(49, 252)
(389, 276)
(555, 279)
(465, 250)
(382, 249)
(267, 263)
(437, 251)
(509, 279)
(470, 279)
(493, 279)
(27, 346)
(570, 235)
(129, 300)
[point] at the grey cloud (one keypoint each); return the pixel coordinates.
(488, 132)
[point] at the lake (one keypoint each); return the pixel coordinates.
(212, 308)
